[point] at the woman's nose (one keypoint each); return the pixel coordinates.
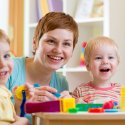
(57, 49)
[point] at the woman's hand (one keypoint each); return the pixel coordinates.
(44, 93)
(30, 90)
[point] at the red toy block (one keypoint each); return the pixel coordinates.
(50, 106)
(96, 110)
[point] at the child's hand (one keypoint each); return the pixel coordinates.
(16, 100)
(80, 100)
(65, 94)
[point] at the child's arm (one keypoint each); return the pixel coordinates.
(65, 94)
(21, 121)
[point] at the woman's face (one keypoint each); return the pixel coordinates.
(55, 48)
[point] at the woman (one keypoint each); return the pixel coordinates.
(53, 43)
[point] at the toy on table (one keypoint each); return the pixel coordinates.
(85, 107)
(49, 106)
(96, 110)
(110, 105)
(60, 105)
(82, 63)
(73, 110)
(111, 110)
(122, 99)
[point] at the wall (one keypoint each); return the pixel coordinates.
(117, 32)
(4, 15)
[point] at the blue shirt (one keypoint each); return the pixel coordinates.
(18, 76)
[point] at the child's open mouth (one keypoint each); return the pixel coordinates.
(104, 70)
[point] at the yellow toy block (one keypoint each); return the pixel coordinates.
(66, 103)
(18, 92)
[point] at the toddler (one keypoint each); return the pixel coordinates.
(101, 60)
(7, 112)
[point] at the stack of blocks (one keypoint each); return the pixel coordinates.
(60, 105)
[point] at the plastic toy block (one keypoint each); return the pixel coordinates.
(111, 110)
(85, 107)
(36, 85)
(73, 110)
(96, 110)
(50, 106)
(67, 103)
(56, 94)
(115, 103)
(108, 105)
(19, 91)
(82, 107)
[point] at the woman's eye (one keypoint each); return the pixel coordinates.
(50, 41)
(6, 56)
(67, 44)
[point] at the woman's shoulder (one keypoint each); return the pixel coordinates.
(19, 63)
(19, 60)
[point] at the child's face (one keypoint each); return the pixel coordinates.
(6, 63)
(103, 63)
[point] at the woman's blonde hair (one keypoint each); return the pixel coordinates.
(100, 40)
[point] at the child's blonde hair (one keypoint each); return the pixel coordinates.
(100, 40)
(4, 37)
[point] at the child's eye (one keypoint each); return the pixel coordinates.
(6, 56)
(111, 57)
(97, 58)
